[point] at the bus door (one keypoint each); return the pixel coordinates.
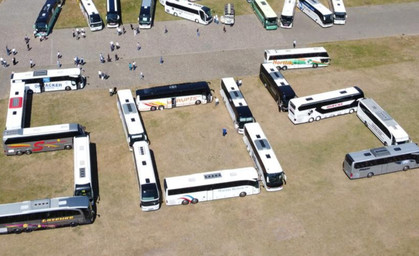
(173, 102)
(202, 15)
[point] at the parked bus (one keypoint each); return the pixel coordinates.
(287, 15)
(82, 168)
(113, 15)
(40, 139)
(265, 14)
(175, 95)
(130, 118)
(207, 186)
(339, 12)
(298, 58)
(17, 105)
(262, 154)
(277, 85)
(317, 12)
(145, 18)
(324, 105)
(149, 192)
(45, 214)
(187, 10)
(387, 130)
(50, 80)
(91, 14)
(47, 17)
(236, 104)
(367, 163)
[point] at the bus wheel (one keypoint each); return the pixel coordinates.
(197, 102)
(310, 120)
(67, 147)
(365, 123)
(30, 91)
(19, 153)
(185, 202)
(153, 108)
(284, 68)
(405, 168)
(242, 194)
(194, 201)
(161, 107)
(196, 20)
(315, 65)
(318, 118)
(17, 231)
(351, 111)
(67, 88)
(175, 14)
(370, 174)
(73, 224)
(28, 152)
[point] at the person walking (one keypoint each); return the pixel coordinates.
(102, 59)
(59, 55)
(197, 32)
(7, 51)
(31, 63)
(112, 46)
(224, 29)
(217, 101)
(165, 29)
(161, 60)
(27, 46)
(134, 65)
(58, 64)
(14, 61)
(294, 43)
(130, 66)
(116, 57)
(132, 27)
(117, 45)
(141, 76)
(138, 46)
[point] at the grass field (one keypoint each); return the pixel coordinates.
(72, 17)
(319, 212)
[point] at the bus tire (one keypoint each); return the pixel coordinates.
(315, 65)
(153, 108)
(195, 201)
(68, 88)
(370, 174)
(318, 118)
(284, 68)
(73, 224)
(196, 20)
(351, 111)
(242, 194)
(311, 120)
(175, 14)
(68, 147)
(28, 152)
(161, 107)
(365, 123)
(405, 168)
(197, 102)
(19, 153)
(185, 202)
(30, 91)
(17, 231)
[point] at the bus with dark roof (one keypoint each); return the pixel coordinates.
(47, 17)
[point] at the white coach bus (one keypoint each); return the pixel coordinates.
(187, 10)
(209, 186)
(236, 104)
(339, 12)
(262, 154)
(287, 15)
(367, 163)
(298, 58)
(82, 168)
(51, 80)
(147, 182)
(91, 14)
(387, 130)
(324, 105)
(317, 12)
(17, 105)
(130, 118)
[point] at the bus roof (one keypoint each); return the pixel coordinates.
(338, 6)
(41, 205)
(143, 162)
(265, 151)
(130, 112)
(295, 51)
(234, 91)
(289, 8)
(50, 129)
(393, 150)
(205, 178)
(112, 5)
(385, 118)
(82, 168)
(15, 112)
(277, 76)
(73, 72)
(326, 95)
(146, 3)
(266, 8)
(319, 6)
(89, 6)
(43, 14)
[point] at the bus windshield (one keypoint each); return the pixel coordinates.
(112, 17)
(274, 179)
(271, 21)
(340, 15)
(287, 19)
(207, 12)
(95, 18)
(328, 19)
(149, 192)
(41, 26)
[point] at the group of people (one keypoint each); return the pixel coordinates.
(79, 33)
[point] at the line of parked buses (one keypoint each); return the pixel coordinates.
(195, 12)
(398, 152)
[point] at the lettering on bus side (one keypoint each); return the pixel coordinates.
(57, 219)
(334, 105)
(186, 99)
(279, 62)
(53, 85)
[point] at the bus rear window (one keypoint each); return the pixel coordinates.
(349, 159)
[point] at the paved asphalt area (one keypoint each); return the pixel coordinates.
(187, 57)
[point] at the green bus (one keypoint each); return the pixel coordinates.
(47, 17)
(265, 14)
